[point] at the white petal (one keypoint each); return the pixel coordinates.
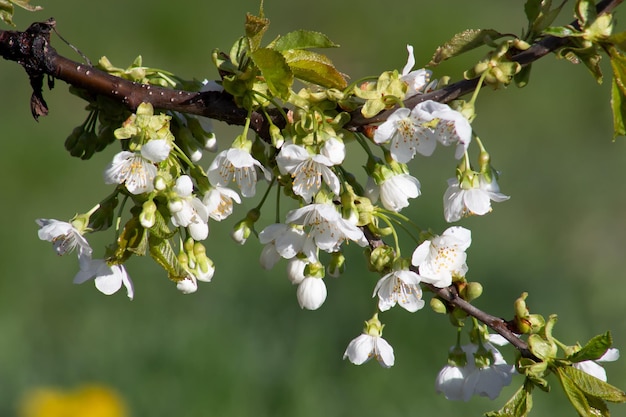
(360, 349)
(156, 150)
(384, 352)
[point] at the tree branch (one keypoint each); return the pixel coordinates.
(33, 51)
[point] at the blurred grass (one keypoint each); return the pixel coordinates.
(241, 346)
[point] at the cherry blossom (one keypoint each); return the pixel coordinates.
(402, 287)
(441, 257)
(107, 278)
(137, 170)
(64, 237)
(461, 200)
(327, 230)
(239, 166)
(370, 344)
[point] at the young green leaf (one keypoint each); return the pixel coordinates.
(275, 70)
(519, 405)
(314, 68)
(24, 4)
(618, 91)
(592, 386)
(575, 395)
(618, 106)
(463, 42)
(303, 39)
(595, 348)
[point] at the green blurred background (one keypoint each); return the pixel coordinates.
(241, 346)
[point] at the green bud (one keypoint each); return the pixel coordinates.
(337, 265)
(471, 291)
(438, 306)
(381, 258)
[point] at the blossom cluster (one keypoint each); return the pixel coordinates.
(174, 200)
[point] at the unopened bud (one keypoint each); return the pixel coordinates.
(438, 306)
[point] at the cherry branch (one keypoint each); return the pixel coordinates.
(32, 50)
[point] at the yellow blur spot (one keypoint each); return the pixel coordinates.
(87, 400)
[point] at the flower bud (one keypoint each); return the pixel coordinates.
(147, 217)
(311, 293)
(241, 232)
(438, 306)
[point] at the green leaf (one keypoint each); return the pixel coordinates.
(463, 42)
(161, 251)
(314, 68)
(255, 28)
(532, 9)
(303, 39)
(519, 405)
(275, 70)
(132, 240)
(618, 105)
(594, 349)
(592, 386)
(618, 39)
(522, 77)
(585, 12)
(561, 32)
(24, 5)
(574, 394)
(618, 92)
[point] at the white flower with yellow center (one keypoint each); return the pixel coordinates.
(402, 287)
(443, 256)
(219, 202)
(64, 237)
(237, 165)
(370, 344)
(403, 129)
(137, 170)
(309, 170)
(327, 230)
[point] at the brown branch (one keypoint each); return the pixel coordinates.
(33, 51)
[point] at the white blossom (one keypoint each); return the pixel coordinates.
(487, 380)
(137, 170)
(107, 278)
(441, 257)
(402, 287)
(460, 201)
(309, 170)
(394, 191)
(326, 229)
(370, 345)
(403, 129)
(239, 166)
(447, 126)
(64, 237)
(188, 211)
(417, 81)
(219, 202)
(280, 240)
